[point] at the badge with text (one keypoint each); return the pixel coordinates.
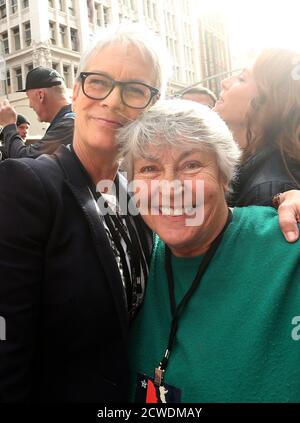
(147, 392)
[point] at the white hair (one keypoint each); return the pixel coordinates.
(148, 44)
(180, 124)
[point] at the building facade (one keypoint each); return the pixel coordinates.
(53, 33)
(215, 57)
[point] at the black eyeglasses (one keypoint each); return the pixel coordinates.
(136, 95)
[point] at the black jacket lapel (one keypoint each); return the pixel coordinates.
(77, 183)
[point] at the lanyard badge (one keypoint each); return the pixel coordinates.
(148, 392)
(176, 310)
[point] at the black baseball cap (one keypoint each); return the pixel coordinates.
(41, 77)
(21, 119)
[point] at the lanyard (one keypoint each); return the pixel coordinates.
(176, 310)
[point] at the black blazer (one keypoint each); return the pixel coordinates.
(261, 177)
(60, 292)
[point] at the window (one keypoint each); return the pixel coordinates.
(74, 39)
(55, 66)
(62, 33)
(50, 3)
(90, 8)
(27, 33)
(14, 6)
(8, 82)
(61, 5)
(71, 7)
(154, 14)
(98, 14)
(3, 11)
(18, 75)
(105, 15)
(66, 75)
(25, 3)
(148, 8)
(4, 39)
(102, 15)
(16, 37)
(75, 71)
(52, 32)
(29, 67)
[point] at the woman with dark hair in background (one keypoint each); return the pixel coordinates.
(261, 106)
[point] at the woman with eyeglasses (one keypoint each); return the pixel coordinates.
(261, 106)
(73, 263)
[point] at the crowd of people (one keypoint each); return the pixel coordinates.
(92, 258)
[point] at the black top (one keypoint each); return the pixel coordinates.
(61, 293)
(261, 177)
(123, 236)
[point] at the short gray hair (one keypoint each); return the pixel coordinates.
(181, 124)
(143, 39)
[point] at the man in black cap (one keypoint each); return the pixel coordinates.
(22, 126)
(46, 91)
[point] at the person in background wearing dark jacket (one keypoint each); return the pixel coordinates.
(22, 126)
(261, 106)
(47, 95)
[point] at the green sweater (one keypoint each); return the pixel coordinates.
(235, 338)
